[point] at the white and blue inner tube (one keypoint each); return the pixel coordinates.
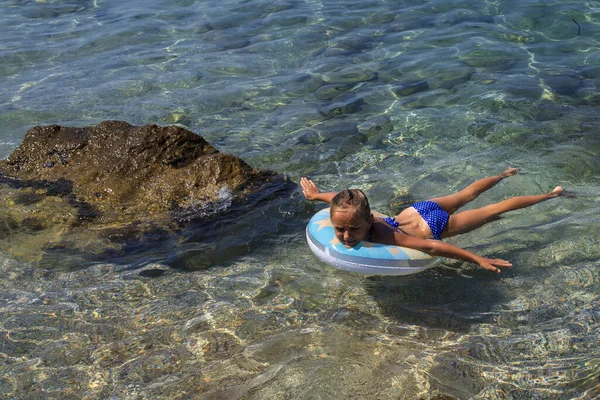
(366, 257)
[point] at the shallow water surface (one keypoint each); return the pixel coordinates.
(406, 100)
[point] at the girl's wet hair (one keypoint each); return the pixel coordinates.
(354, 199)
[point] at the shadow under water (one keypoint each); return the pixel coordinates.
(195, 238)
(436, 299)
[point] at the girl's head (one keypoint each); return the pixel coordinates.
(351, 217)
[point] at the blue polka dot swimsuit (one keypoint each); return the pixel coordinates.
(434, 215)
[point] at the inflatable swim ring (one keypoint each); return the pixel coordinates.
(366, 257)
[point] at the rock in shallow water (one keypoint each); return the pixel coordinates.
(118, 184)
(147, 168)
(376, 125)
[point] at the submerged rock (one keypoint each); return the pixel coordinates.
(329, 92)
(377, 125)
(118, 185)
(450, 78)
(344, 104)
(350, 75)
(406, 89)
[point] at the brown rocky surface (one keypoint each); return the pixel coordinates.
(115, 165)
(116, 183)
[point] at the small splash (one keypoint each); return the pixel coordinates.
(203, 208)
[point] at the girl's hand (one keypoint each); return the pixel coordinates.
(491, 263)
(309, 189)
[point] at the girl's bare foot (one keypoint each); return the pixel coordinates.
(557, 191)
(309, 189)
(510, 171)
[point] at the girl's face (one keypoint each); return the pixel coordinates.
(349, 227)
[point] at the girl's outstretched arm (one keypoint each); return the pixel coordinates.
(312, 192)
(437, 248)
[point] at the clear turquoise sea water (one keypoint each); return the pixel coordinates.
(402, 99)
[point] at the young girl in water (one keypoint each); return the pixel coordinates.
(353, 221)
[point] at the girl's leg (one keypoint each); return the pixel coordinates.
(453, 202)
(466, 221)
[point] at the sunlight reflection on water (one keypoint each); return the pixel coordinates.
(405, 100)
